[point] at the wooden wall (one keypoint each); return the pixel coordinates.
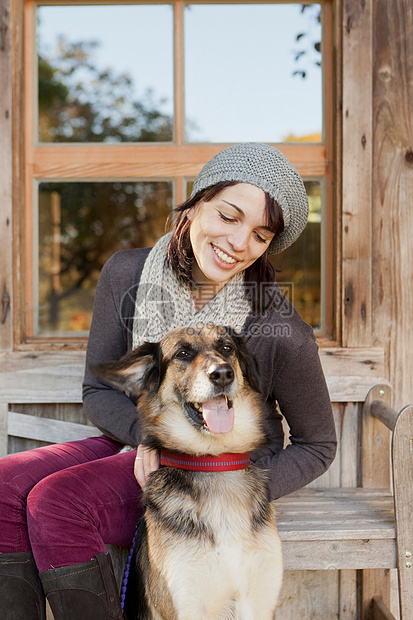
(5, 172)
(357, 149)
(377, 193)
(377, 182)
(392, 196)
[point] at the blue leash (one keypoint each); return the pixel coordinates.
(126, 573)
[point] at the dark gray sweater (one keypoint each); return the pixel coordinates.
(289, 366)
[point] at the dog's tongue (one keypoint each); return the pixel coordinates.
(218, 417)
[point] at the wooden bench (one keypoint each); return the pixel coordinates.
(359, 528)
(361, 525)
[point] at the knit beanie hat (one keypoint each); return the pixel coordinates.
(266, 167)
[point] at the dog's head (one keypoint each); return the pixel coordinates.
(198, 390)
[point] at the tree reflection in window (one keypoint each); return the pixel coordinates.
(80, 226)
(85, 94)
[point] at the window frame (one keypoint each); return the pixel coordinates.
(175, 160)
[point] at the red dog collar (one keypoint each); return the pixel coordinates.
(222, 462)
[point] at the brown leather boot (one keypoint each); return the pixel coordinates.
(86, 591)
(21, 592)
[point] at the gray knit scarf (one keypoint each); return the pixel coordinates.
(163, 302)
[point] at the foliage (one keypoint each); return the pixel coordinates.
(80, 103)
(309, 53)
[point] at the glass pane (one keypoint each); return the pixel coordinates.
(299, 266)
(80, 226)
(253, 72)
(105, 73)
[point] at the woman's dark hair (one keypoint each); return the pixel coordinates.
(180, 254)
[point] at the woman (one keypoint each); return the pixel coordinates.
(62, 503)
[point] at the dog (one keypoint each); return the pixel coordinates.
(207, 544)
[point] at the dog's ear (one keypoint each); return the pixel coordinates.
(134, 372)
(247, 362)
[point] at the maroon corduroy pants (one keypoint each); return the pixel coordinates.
(65, 501)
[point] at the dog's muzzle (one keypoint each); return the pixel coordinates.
(215, 415)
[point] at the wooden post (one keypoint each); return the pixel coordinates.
(375, 443)
(403, 494)
(6, 332)
(375, 473)
(357, 28)
(19, 101)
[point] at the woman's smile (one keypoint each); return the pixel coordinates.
(223, 257)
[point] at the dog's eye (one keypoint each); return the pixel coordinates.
(182, 354)
(227, 348)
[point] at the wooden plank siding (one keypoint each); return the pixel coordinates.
(377, 194)
(6, 115)
(357, 29)
(18, 101)
(393, 191)
(392, 196)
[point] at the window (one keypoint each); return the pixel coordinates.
(125, 103)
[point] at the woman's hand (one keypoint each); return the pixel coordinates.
(147, 460)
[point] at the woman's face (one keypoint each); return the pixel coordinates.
(228, 233)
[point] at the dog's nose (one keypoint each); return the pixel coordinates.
(221, 375)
